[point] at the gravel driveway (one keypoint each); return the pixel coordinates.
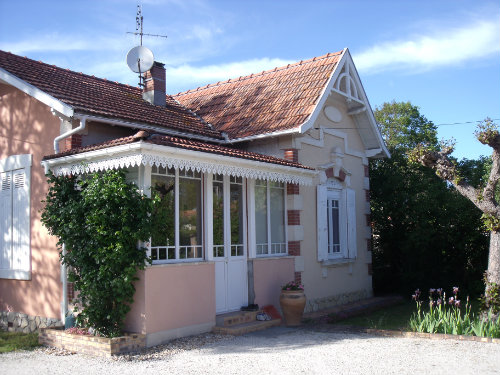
(278, 350)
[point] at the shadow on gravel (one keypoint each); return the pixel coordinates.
(286, 338)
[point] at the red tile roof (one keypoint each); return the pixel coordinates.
(274, 100)
(181, 143)
(105, 98)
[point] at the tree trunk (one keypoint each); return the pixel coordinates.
(494, 258)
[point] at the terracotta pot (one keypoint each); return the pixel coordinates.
(292, 304)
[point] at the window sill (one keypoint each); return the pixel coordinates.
(179, 263)
(274, 256)
(339, 262)
(15, 274)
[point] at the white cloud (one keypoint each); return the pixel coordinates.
(55, 42)
(446, 47)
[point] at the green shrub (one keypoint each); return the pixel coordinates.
(100, 218)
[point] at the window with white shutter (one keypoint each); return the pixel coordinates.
(15, 176)
(336, 220)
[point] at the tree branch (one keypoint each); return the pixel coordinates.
(445, 169)
(489, 189)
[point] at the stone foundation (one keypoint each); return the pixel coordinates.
(92, 345)
(19, 322)
(323, 303)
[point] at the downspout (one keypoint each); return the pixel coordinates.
(83, 124)
(64, 280)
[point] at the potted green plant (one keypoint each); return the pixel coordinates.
(292, 302)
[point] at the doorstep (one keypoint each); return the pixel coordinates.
(241, 322)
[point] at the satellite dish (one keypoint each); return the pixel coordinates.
(140, 59)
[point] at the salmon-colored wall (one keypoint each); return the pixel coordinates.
(172, 296)
(269, 275)
(28, 127)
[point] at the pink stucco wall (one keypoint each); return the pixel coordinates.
(173, 296)
(28, 127)
(269, 275)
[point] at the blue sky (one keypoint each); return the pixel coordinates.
(443, 56)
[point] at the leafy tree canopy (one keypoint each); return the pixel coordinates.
(425, 233)
(404, 127)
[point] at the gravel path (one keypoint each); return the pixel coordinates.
(278, 351)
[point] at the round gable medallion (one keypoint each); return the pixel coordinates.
(333, 114)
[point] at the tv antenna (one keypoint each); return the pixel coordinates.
(140, 59)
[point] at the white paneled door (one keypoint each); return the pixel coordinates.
(229, 250)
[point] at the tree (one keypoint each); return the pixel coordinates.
(483, 197)
(416, 217)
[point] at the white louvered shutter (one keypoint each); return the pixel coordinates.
(351, 223)
(6, 220)
(20, 218)
(322, 223)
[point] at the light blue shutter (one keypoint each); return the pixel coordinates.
(351, 223)
(322, 223)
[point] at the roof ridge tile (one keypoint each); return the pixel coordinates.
(253, 75)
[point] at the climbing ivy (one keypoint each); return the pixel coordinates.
(100, 218)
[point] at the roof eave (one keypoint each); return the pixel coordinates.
(143, 126)
(59, 106)
(115, 156)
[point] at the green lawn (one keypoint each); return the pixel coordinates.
(392, 317)
(11, 341)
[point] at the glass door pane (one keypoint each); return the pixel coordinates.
(218, 216)
(236, 217)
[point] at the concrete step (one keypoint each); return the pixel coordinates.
(242, 328)
(235, 318)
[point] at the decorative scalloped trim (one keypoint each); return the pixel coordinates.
(169, 162)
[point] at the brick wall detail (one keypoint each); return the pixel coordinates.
(292, 189)
(298, 277)
(293, 217)
(294, 248)
(92, 345)
(73, 141)
(292, 154)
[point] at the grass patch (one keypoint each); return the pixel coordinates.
(391, 317)
(12, 341)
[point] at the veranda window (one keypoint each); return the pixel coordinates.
(270, 218)
(177, 234)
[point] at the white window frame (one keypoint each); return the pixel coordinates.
(15, 262)
(334, 190)
(285, 222)
(177, 246)
(338, 196)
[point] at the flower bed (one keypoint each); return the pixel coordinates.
(92, 345)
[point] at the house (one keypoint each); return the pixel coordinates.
(266, 175)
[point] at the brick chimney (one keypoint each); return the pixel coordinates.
(154, 85)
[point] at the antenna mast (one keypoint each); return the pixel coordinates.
(140, 59)
(139, 19)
